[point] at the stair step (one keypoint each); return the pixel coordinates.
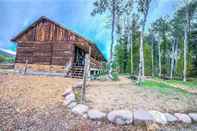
(76, 72)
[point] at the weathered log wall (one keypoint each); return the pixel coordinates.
(45, 30)
(45, 53)
(48, 43)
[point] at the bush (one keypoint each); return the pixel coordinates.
(115, 76)
(2, 58)
(10, 59)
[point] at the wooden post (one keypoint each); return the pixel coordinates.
(26, 64)
(83, 89)
(67, 68)
(89, 68)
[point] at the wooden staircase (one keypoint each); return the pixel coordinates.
(75, 72)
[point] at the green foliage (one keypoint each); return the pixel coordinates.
(6, 59)
(136, 54)
(77, 95)
(165, 31)
(147, 59)
(179, 68)
(10, 59)
(120, 57)
(102, 77)
(115, 76)
(2, 58)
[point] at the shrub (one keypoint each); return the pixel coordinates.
(77, 94)
(115, 76)
(2, 58)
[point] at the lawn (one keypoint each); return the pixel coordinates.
(163, 87)
(188, 84)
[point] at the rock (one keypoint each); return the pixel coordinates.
(85, 115)
(72, 105)
(96, 115)
(158, 117)
(120, 117)
(69, 98)
(141, 116)
(80, 109)
(78, 85)
(67, 92)
(193, 116)
(170, 117)
(183, 118)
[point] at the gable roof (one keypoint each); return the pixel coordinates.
(59, 25)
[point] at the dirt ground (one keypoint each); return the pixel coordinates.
(29, 103)
(124, 94)
(33, 91)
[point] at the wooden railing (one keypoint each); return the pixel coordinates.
(94, 63)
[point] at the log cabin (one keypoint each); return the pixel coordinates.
(48, 46)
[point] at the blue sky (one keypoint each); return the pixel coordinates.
(73, 14)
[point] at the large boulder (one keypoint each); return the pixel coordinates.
(158, 117)
(120, 117)
(141, 116)
(69, 98)
(96, 115)
(78, 85)
(170, 117)
(72, 105)
(193, 116)
(80, 109)
(67, 92)
(183, 118)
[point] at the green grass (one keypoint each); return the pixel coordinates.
(187, 84)
(163, 88)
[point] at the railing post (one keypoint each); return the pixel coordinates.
(26, 65)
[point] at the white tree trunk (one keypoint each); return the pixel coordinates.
(141, 63)
(172, 59)
(186, 43)
(112, 40)
(175, 56)
(152, 53)
(131, 46)
(131, 55)
(142, 54)
(159, 52)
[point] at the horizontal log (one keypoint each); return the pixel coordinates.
(63, 45)
(24, 55)
(25, 49)
(42, 63)
(38, 54)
